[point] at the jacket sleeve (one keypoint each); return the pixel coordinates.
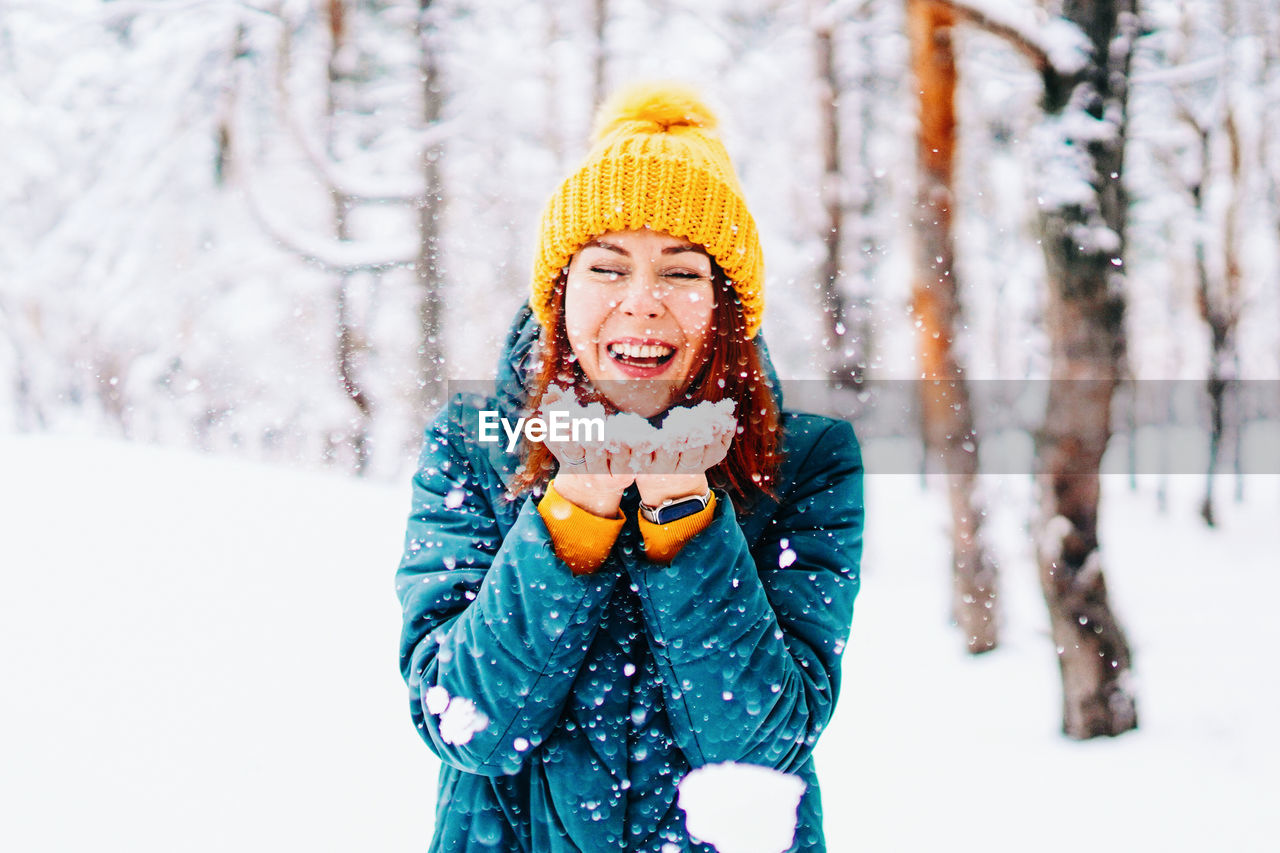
(496, 621)
(749, 646)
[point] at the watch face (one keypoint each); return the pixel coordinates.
(678, 510)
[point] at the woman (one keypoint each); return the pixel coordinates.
(585, 623)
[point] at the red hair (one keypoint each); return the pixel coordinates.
(732, 368)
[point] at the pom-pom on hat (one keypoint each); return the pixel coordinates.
(655, 162)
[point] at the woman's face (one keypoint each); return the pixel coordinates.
(638, 306)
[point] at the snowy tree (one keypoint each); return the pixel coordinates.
(840, 339)
(946, 407)
(846, 94)
(1083, 57)
(1206, 71)
(1083, 216)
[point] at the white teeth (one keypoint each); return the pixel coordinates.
(644, 351)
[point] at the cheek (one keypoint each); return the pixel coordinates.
(583, 316)
(695, 313)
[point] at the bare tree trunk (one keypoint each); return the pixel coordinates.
(1083, 240)
(28, 414)
(599, 50)
(432, 373)
(1203, 301)
(1271, 93)
(841, 366)
(1227, 359)
(864, 236)
(1217, 302)
(108, 376)
(1221, 314)
(551, 104)
(946, 411)
(349, 344)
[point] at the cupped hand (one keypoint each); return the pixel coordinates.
(680, 471)
(591, 476)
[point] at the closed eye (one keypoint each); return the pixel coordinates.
(684, 277)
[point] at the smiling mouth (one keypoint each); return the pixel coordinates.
(641, 355)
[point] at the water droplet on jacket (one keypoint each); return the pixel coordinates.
(486, 829)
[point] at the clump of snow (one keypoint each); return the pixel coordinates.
(1065, 177)
(698, 426)
(626, 429)
(1065, 44)
(563, 399)
(741, 808)
(460, 719)
(683, 427)
(437, 700)
(1051, 538)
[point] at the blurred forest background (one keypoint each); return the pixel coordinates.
(276, 227)
(267, 226)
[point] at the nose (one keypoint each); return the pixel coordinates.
(643, 296)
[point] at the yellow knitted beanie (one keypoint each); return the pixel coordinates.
(655, 162)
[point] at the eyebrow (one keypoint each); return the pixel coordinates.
(669, 250)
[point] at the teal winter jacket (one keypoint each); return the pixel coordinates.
(602, 691)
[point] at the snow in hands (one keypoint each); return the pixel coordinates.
(683, 427)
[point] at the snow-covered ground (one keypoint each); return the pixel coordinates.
(200, 654)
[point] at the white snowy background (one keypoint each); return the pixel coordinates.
(197, 621)
(199, 654)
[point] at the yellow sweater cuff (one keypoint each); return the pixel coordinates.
(581, 539)
(663, 541)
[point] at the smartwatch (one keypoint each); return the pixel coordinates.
(674, 509)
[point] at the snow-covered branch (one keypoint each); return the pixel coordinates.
(1186, 74)
(124, 10)
(360, 189)
(1055, 46)
(332, 256)
(835, 11)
